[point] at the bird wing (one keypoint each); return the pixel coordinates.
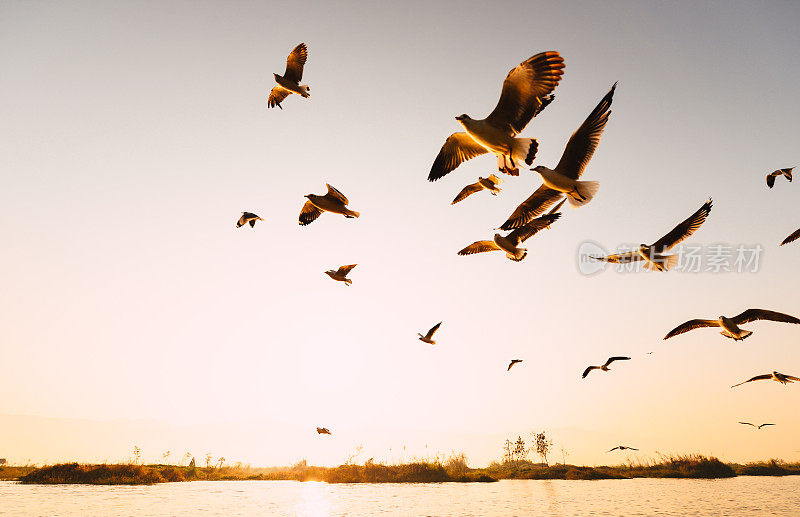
(771, 178)
(691, 325)
(620, 258)
(616, 358)
(494, 180)
(542, 199)
(756, 378)
(762, 425)
(523, 89)
(788, 173)
(523, 233)
(479, 247)
(763, 314)
(684, 230)
(309, 213)
(792, 377)
(458, 148)
(295, 62)
(346, 269)
(615, 448)
(587, 370)
(333, 193)
(748, 423)
(556, 208)
(433, 330)
(276, 96)
(253, 222)
(467, 191)
(583, 142)
(242, 220)
(793, 237)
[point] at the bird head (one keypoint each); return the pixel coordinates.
(462, 117)
(538, 168)
(644, 248)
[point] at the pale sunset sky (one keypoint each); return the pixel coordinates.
(133, 312)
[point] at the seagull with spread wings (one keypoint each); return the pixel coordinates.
(510, 243)
(604, 367)
(775, 376)
(654, 255)
(489, 184)
(563, 180)
(340, 275)
(526, 92)
(730, 326)
(793, 237)
(289, 82)
(787, 172)
(754, 425)
(512, 363)
(323, 430)
(428, 338)
(622, 448)
(248, 217)
(333, 201)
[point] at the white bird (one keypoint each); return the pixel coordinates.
(340, 275)
(654, 255)
(604, 367)
(780, 172)
(333, 201)
(622, 448)
(248, 217)
(526, 92)
(793, 237)
(512, 363)
(290, 81)
(510, 243)
(754, 425)
(428, 338)
(564, 178)
(775, 376)
(730, 326)
(489, 184)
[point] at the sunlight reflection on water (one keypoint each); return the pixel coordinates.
(736, 496)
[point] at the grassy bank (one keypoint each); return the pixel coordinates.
(12, 473)
(691, 466)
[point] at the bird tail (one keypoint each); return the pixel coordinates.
(304, 89)
(352, 213)
(518, 255)
(524, 150)
(745, 334)
(583, 193)
(661, 263)
(347, 281)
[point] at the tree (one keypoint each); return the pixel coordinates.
(508, 451)
(165, 456)
(543, 446)
(137, 454)
(564, 454)
(520, 451)
(221, 460)
(187, 456)
(208, 459)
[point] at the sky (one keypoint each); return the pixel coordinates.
(133, 312)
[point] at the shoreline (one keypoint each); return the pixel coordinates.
(681, 467)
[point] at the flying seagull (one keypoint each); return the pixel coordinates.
(510, 243)
(793, 237)
(340, 275)
(290, 81)
(780, 172)
(754, 425)
(323, 430)
(526, 92)
(333, 201)
(564, 178)
(428, 338)
(512, 363)
(775, 376)
(248, 217)
(604, 367)
(622, 448)
(654, 255)
(730, 326)
(489, 184)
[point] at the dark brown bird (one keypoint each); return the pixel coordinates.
(793, 237)
(248, 217)
(323, 430)
(775, 376)
(754, 425)
(787, 172)
(512, 363)
(623, 448)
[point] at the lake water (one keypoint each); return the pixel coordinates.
(737, 496)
